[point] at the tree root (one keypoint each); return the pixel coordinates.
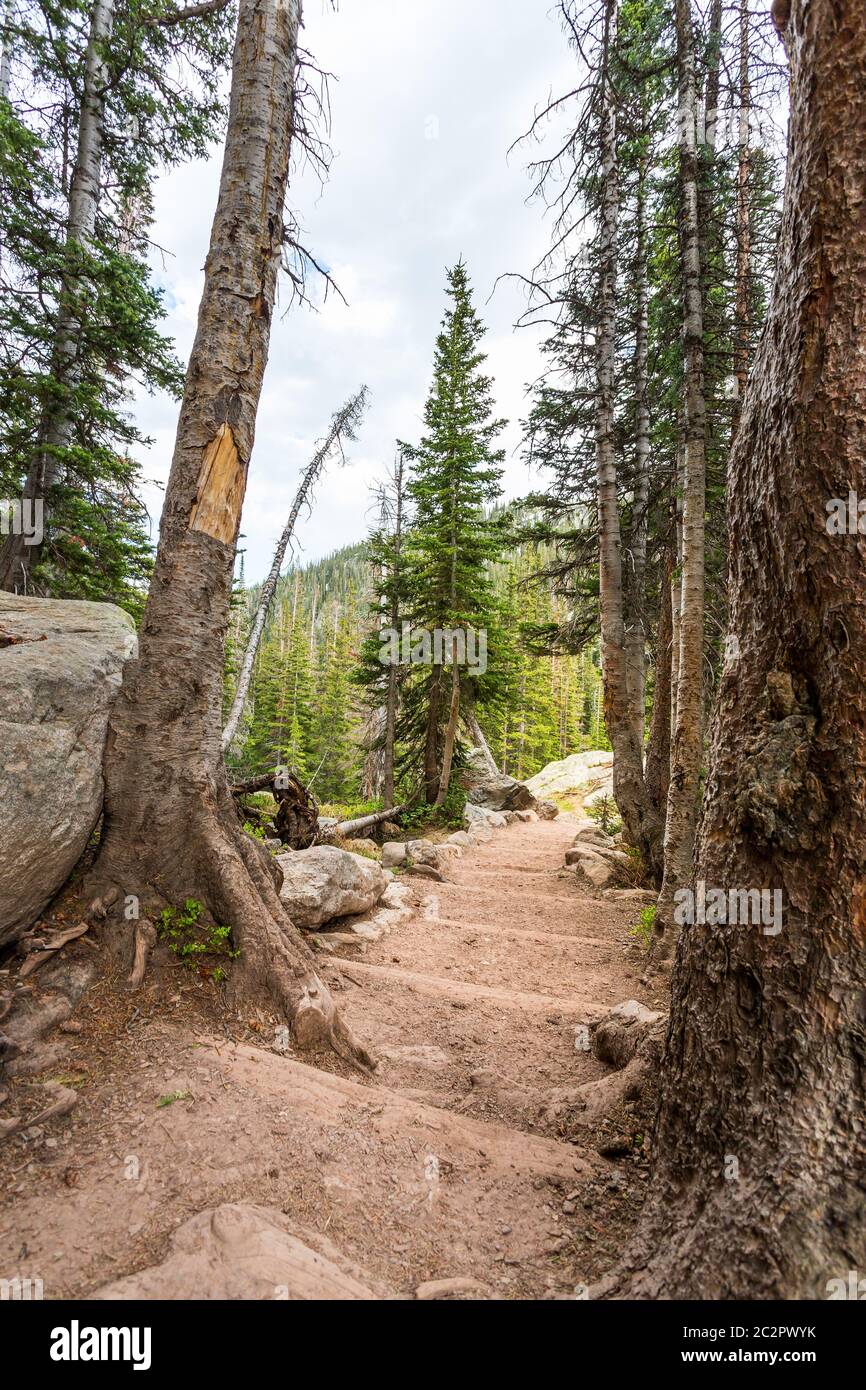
(238, 883)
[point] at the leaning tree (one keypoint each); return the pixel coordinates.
(759, 1186)
(171, 830)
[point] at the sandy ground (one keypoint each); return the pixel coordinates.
(452, 1161)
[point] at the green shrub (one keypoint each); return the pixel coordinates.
(191, 940)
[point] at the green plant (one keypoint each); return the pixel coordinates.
(256, 831)
(190, 939)
(172, 1097)
(642, 929)
(605, 812)
(449, 815)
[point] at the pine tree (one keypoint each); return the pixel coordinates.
(455, 474)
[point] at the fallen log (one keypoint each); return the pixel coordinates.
(351, 827)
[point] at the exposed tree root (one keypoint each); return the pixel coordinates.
(237, 882)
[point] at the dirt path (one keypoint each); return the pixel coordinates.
(464, 1157)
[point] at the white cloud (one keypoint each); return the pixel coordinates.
(429, 96)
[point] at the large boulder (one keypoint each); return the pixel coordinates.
(573, 774)
(493, 790)
(326, 882)
(60, 668)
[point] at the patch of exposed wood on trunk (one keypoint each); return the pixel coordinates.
(220, 489)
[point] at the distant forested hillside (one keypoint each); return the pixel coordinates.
(308, 711)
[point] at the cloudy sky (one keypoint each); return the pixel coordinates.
(427, 97)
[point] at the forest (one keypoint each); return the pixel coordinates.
(430, 632)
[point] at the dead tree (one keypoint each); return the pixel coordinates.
(343, 427)
(171, 830)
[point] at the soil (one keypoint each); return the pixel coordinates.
(463, 1156)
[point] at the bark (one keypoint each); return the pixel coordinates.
(342, 421)
(351, 827)
(392, 697)
(16, 557)
(628, 780)
(765, 1061)
(682, 807)
(171, 830)
(744, 251)
(658, 753)
(431, 743)
(6, 56)
(636, 633)
(450, 730)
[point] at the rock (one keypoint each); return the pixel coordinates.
(237, 1251)
(452, 1289)
(573, 773)
(459, 837)
(616, 1039)
(395, 906)
(368, 848)
(426, 871)
(644, 896)
(393, 854)
(482, 815)
(495, 791)
(598, 872)
(325, 882)
(583, 848)
(57, 684)
(526, 816)
(389, 829)
(593, 836)
(426, 852)
(547, 810)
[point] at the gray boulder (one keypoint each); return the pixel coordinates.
(495, 791)
(60, 668)
(326, 882)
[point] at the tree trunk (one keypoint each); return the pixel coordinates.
(17, 558)
(6, 55)
(171, 831)
(341, 422)
(450, 730)
(682, 807)
(628, 781)
(744, 248)
(758, 1190)
(393, 693)
(636, 633)
(658, 752)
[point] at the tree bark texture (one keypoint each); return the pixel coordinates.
(759, 1188)
(170, 825)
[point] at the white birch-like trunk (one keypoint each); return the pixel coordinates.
(313, 472)
(687, 738)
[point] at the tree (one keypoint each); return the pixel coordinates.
(757, 1189)
(80, 317)
(383, 680)
(455, 472)
(171, 831)
(343, 426)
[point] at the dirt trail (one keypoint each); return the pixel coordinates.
(462, 1158)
